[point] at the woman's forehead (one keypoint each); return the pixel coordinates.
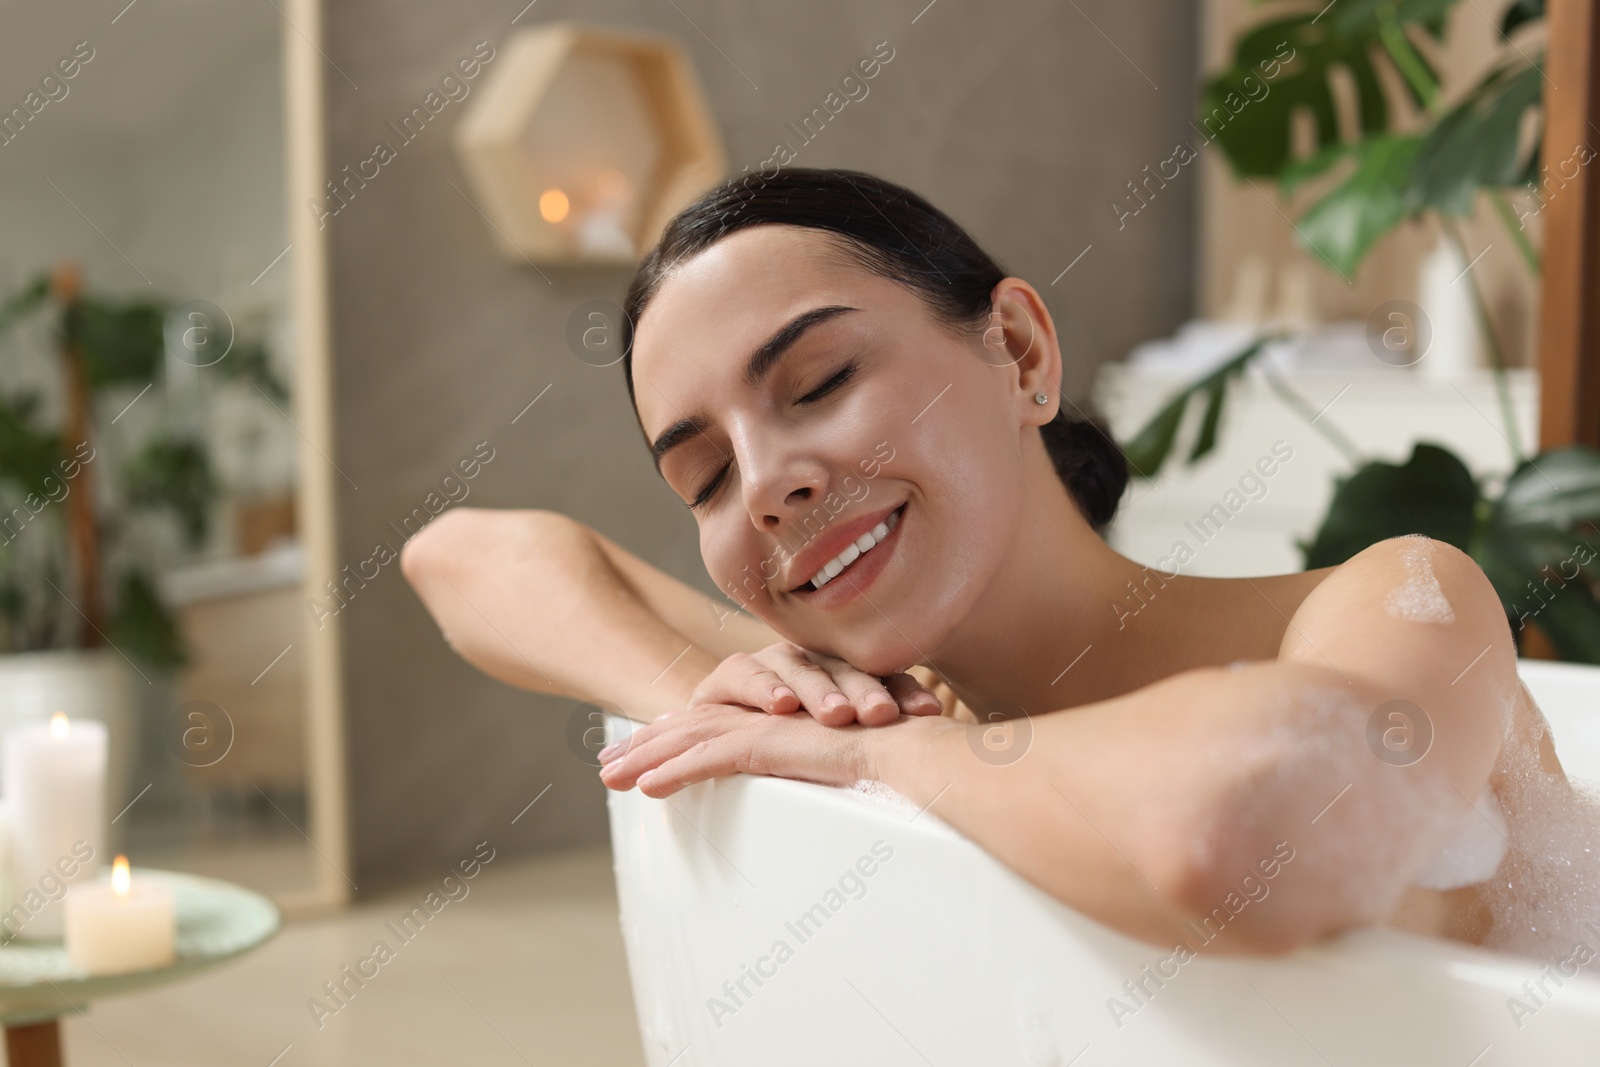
(761, 270)
(720, 304)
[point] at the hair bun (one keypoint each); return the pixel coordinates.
(1088, 460)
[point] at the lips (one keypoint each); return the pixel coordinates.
(828, 545)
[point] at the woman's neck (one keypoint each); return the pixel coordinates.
(1068, 620)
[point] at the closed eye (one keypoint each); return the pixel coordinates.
(843, 375)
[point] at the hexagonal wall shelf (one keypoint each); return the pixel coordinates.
(582, 142)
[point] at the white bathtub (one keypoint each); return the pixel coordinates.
(942, 956)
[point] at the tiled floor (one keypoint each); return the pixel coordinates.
(527, 968)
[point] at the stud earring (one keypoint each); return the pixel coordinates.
(1040, 398)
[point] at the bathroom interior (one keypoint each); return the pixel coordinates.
(280, 284)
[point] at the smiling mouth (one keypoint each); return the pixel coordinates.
(863, 546)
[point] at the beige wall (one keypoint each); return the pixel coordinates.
(1022, 121)
(1237, 222)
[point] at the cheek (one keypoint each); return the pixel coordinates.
(718, 559)
(970, 460)
(970, 466)
(735, 564)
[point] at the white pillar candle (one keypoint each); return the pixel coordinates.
(54, 776)
(120, 925)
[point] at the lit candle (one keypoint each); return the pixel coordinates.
(602, 230)
(115, 927)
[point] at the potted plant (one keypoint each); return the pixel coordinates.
(1540, 523)
(81, 620)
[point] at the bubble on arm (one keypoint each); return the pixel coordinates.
(1419, 598)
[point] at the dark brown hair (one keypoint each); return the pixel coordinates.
(896, 234)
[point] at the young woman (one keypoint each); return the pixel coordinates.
(863, 412)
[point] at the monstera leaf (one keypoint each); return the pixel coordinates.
(1538, 543)
(1344, 225)
(1431, 493)
(1148, 450)
(1520, 12)
(1251, 106)
(1289, 65)
(1477, 144)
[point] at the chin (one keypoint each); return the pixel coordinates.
(879, 654)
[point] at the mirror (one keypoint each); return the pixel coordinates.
(151, 539)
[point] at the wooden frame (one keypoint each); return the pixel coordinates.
(304, 110)
(1569, 314)
(532, 64)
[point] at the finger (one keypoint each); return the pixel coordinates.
(684, 732)
(793, 750)
(912, 696)
(635, 752)
(743, 679)
(819, 693)
(873, 703)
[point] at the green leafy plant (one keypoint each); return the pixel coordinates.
(1544, 519)
(86, 580)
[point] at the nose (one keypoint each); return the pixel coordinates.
(779, 480)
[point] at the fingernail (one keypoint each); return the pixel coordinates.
(927, 700)
(783, 691)
(644, 779)
(835, 700)
(610, 750)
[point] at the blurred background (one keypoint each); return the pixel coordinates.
(289, 280)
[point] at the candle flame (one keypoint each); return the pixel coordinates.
(553, 205)
(59, 725)
(120, 878)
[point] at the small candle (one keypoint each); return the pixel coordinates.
(55, 780)
(115, 927)
(600, 233)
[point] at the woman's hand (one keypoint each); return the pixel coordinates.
(716, 740)
(784, 678)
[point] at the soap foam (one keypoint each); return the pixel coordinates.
(1476, 850)
(882, 795)
(1548, 888)
(1308, 758)
(1419, 599)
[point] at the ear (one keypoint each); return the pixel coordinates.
(1021, 341)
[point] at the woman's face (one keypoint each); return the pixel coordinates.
(859, 411)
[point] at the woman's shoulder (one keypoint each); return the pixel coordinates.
(1413, 614)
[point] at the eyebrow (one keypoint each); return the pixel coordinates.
(761, 362)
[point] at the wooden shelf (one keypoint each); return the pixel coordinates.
(594, 113)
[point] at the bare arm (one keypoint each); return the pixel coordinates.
(542, 602)
(1192, 783)
(1250, 801)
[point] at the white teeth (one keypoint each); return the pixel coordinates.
(864, 543)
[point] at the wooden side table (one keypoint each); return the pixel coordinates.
(38, 983)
